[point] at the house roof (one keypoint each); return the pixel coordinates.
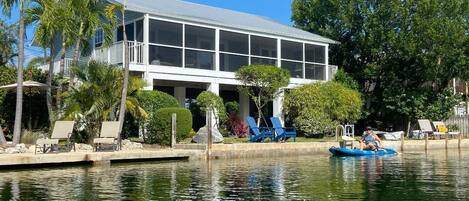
(220, 17)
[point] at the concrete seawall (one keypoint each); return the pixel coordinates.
(218, 151)
(252, 150)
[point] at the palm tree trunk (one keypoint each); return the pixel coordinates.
(76, 56)
(126, 78)
(50, 77)
(61, 75)
(19, 80)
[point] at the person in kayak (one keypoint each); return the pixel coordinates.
(369, 140)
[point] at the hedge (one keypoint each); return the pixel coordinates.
(159, 126)
(151, 101)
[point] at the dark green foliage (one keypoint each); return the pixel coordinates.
(232, 107)
(159, 127)
(402, 52)
(344, 78)
(151, 101)
(34, 100)
(320, 107)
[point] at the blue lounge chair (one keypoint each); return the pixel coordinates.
(282, 132)
(257, 134)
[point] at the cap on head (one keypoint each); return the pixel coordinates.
(368, 128)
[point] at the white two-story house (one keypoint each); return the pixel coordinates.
(183, 48)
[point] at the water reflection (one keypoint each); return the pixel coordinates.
(411, 176)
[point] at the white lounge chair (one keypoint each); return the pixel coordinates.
(451, 134)
(62, 132)
(426, 127)
(108, 135)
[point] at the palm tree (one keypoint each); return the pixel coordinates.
(8, 37)
(44, 13)
(90, 16)
(6, 6)
(96, 99)
(126, 75)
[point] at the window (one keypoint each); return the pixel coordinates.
(315, 71)
(200, 38)
(139, 30)
(235, 51)
(295, 68)
(129, 30)
(265, 61)
(98, 38)
(199, 59)
(165, 56)
(165, 33)
(261, 46)
(292, 50)
(315, 53)
(232, 63)
(234, 42)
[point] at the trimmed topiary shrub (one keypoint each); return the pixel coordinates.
(159, 126)
(154, 100)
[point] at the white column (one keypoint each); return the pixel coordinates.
(149, 81)
(277, 106)
(214, 88)
(243, 106)
(180, 95)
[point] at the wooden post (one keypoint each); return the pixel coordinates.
(173, 130)
(209, 134)
(402, 141)
(426, 141)
(446, 140)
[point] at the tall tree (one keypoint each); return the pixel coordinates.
(47, 17)
(8, 41)
(402, 53)
(126, 74)
(90, 16)
(7, 6)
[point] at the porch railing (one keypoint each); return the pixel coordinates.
(115, 53)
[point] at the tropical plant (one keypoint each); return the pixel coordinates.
(8, 41)
(210, 102)
(96, 99)
(7, 6)
(91, 16)
(320, 107)
(262, 83)
(47, 18)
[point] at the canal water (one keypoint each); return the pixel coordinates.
(436, 175)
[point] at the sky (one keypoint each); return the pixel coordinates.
(279, 10)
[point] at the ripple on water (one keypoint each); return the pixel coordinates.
(414, 176)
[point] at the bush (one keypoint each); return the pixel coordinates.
(159, 126)
(210, 102)
(232, 107)
(320, 107)
(152, 101)
(237, 126)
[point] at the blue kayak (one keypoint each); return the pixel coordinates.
(341, 151)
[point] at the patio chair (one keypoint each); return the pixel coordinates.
(258, 134)
(426, 127)
(281, 132)
(441, 127)
(62, 132)
(108, 136)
